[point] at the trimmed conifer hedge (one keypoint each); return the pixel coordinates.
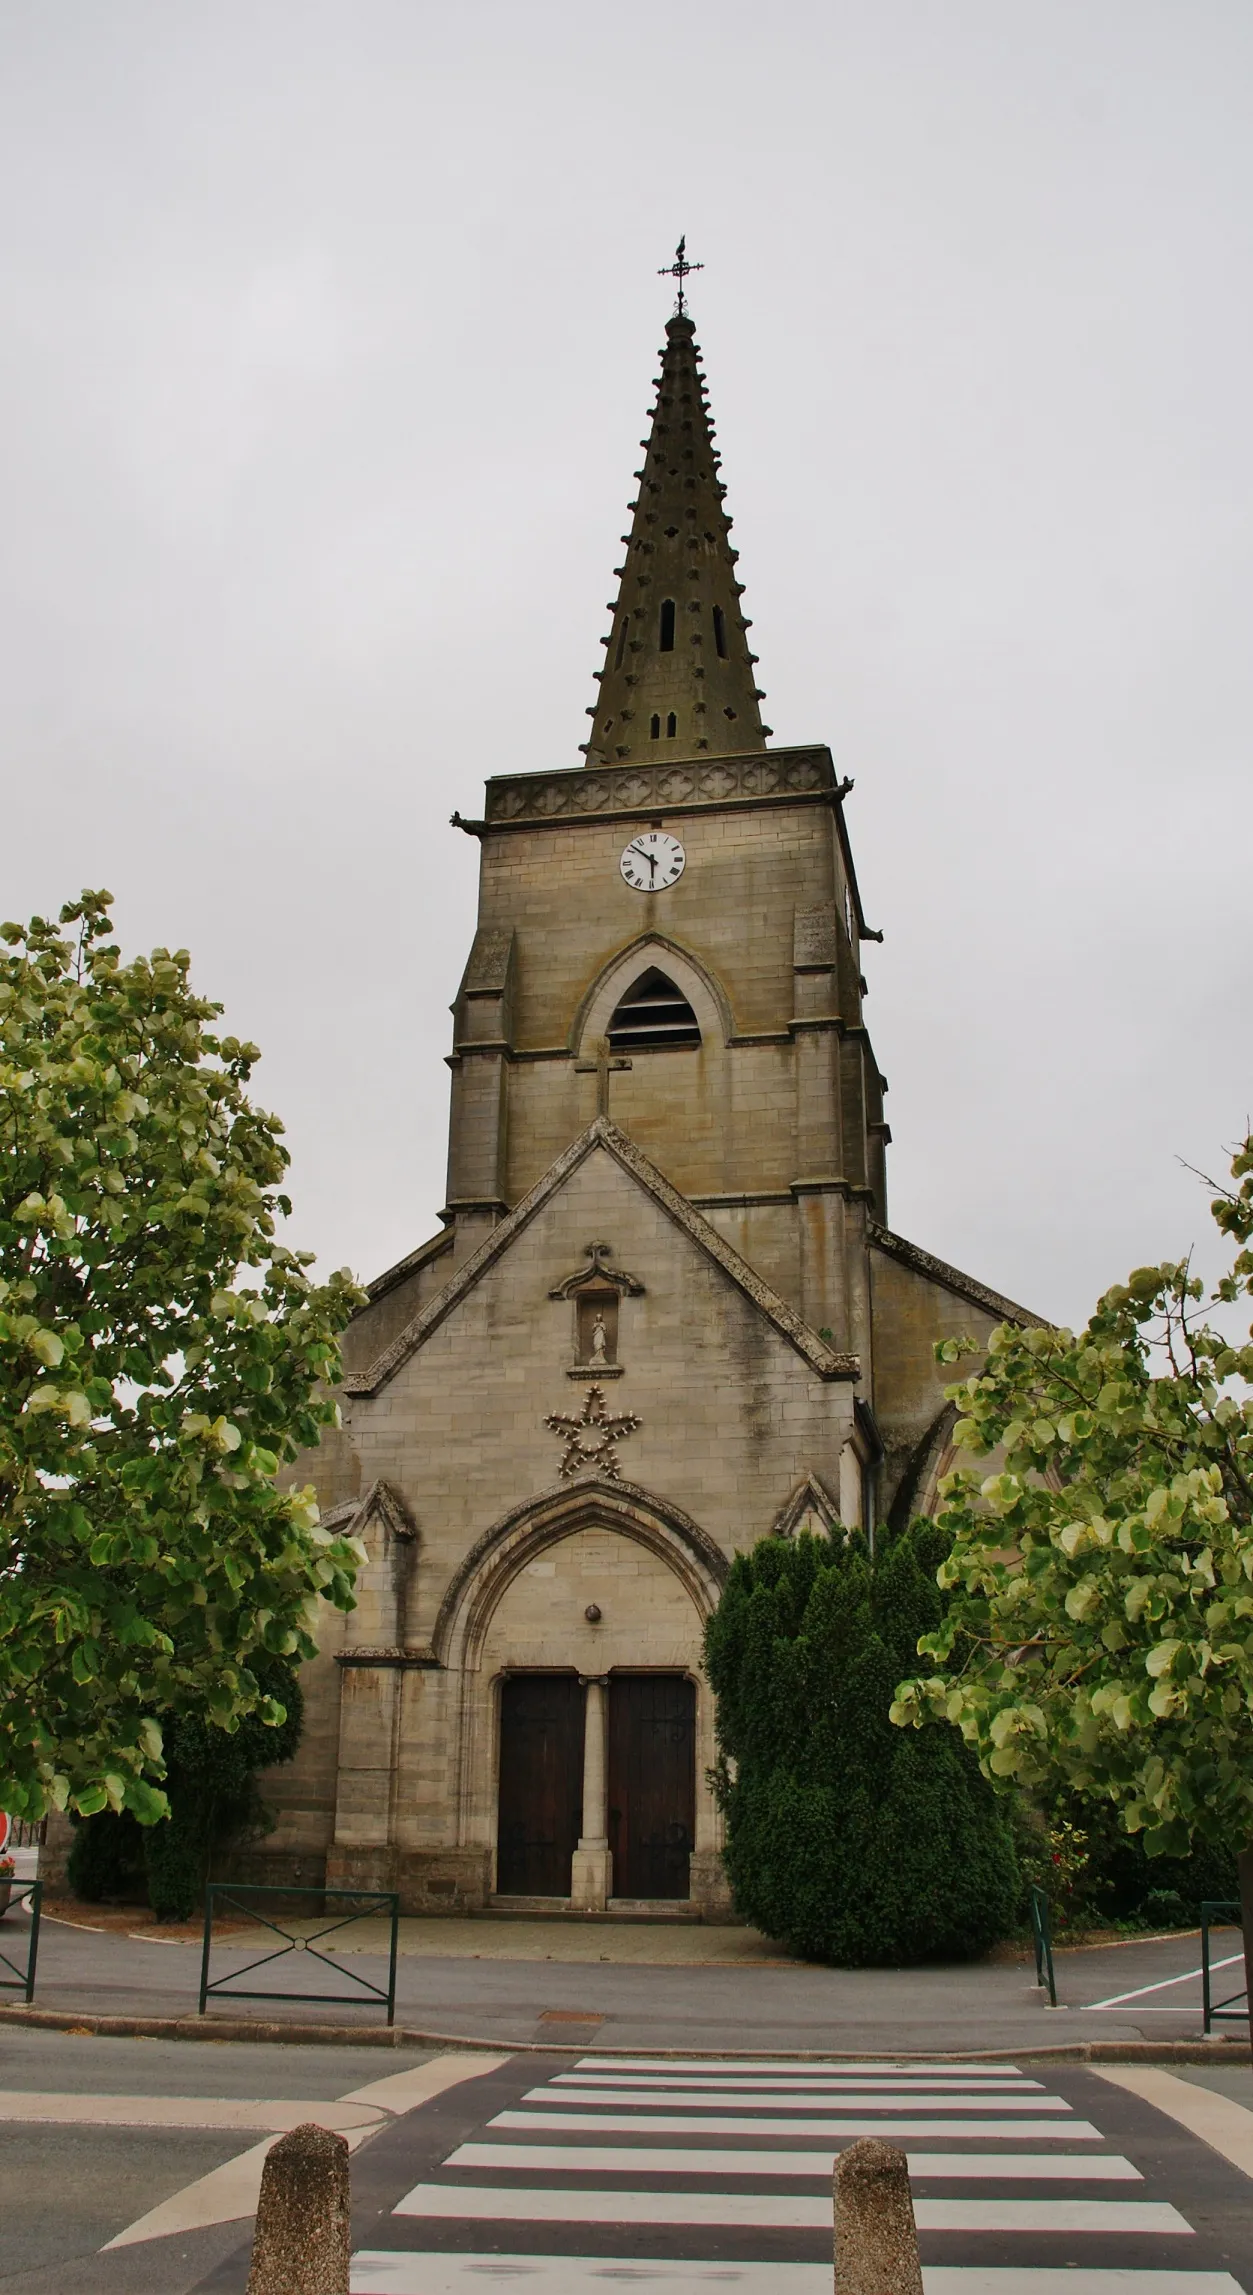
(848, 1840)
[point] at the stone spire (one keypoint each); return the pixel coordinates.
(679, 677)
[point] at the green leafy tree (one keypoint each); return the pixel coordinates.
(847, 1841)
(162, 1357)
(215, 1802)
(1098, 1635)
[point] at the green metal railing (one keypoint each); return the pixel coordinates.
(1042, 1935)
(242, 1898)
(1219, 1912)
(23, 1979)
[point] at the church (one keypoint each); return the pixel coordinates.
(665, 1314)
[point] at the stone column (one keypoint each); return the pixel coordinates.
(591, 1877)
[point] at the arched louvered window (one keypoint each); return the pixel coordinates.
(653, 1013)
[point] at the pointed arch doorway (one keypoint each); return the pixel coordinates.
(559, 1792)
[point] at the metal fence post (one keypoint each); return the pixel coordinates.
(36, 1906)
(208, 1941)
(1219, 1912)
(1042, 1933)
(391, 1970)
(23, 1979)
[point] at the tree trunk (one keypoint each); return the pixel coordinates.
(1245, 1864)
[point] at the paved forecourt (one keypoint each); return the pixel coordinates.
(571, 2177)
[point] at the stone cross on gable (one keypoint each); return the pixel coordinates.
(602, 1067)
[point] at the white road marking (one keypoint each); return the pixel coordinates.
(228, 2194)
(948, 2167)
(832, 2067)
(404, 2091)
(644, 2159)
(647, 2083)
(1218, 2120)
(751, 2211)
(716, 2124)
(851, 2099)
(387, 2272)
(1116, 1999)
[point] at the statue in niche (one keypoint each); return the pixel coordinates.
(597, 1328)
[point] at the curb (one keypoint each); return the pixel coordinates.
(403, 2036)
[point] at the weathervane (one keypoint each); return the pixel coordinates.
(680, 269)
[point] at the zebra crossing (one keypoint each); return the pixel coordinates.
(679, 2175)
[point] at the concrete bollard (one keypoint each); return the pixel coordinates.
(876, 2240)
(302, 2239)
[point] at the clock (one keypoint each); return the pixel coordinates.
(652, 860)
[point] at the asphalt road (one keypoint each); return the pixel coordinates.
(535, 1983)
(572, 2174)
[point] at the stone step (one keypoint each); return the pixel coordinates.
(622, 1909)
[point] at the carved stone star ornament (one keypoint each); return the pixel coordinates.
(597, 1455)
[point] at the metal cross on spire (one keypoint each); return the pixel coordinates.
(680, 269)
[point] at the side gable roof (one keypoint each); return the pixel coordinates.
(601, 1133)
(951, 1278)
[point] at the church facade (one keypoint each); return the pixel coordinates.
(664, 1314)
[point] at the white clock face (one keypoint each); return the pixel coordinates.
(652, 860)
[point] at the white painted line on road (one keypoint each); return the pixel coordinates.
(899, 2083)
(839, 2067)
(844, 2099)
(1116, 1999)
(954, 2167)
(404, 2091)
(718, 2124)
(645, 2159)
(229, 2193)
(751, 2210)
(384, 2271)
(1218, 2120)
(226, 2195)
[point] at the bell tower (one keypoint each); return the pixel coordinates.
(670, 935)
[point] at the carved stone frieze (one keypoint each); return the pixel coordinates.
(592, 790)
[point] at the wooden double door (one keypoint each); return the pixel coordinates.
(651, 1783)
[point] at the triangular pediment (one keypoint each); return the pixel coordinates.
(383, 1504)
(603, 1135)
(810, 1507)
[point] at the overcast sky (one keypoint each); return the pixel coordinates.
(325, 344)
